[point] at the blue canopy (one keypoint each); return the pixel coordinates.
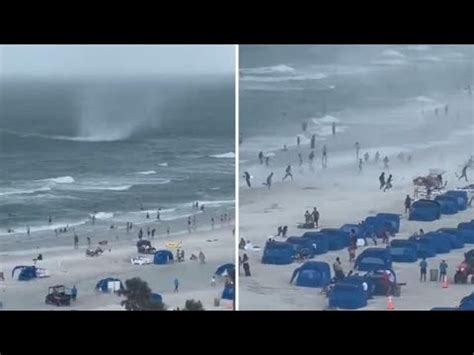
(426, 247)
(466, 230)
(441, 242)
(302, 245)
(373, 259)
(461, 197)
(102, 285)
(338, 239)
(320, 239)
(162, 257)
(27, 273)
(379, 225)
(312, 274)
(278, 253)
(456, 241)
(393, 218)
(156, 298)
(403, 251)
(224, 269)
(347, 296)
(425, 210)
(228, 293)
(448, 204)
(467, 303)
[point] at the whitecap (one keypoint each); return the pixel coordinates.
(230, 155)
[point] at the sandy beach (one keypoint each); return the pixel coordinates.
(69, 266)
(343, 195)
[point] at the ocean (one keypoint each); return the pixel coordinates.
(379, 96)
(116, 148)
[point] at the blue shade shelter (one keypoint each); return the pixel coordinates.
(162, 257)
(278, 253)
(312, 274)
(425, 210)
(373, 259)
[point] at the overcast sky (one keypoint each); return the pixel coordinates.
(114, 60)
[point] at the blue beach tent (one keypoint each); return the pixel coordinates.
(461, 196)
(454, 232)
(321, 241)
(312, 274)
(338, 239)
(302, 245)
(466, 230)
(156, 298)
(393, 218)
(373, 259)
(467, 303)
(426, 247)
(102, 285)
(162, 257)
(224, 269)
(441, 242)
(448, 204)
(347, 296)
(425, 210)
(403, 251)
(278, 253)
(228, 293)
(455, 240)
(379, 225)
(27, 273)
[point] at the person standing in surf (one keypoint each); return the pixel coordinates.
(334, 129)
(325, 157)
(357, 148)
(313, 141)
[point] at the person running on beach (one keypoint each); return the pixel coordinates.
(140, 234)
(176, 284)
(158, 215)
(260, 157)
(443, 267)
(212, 223)
(76, 241)
(267, 161)
(423, 267)
(202, 258)
(338, 271)
(334, 128)
(28, 230)
(247, 178)
(377, 157)
(313, 141)
(147, 215)
(325, 156)
(388, 185)
(298, 140)
(315, 215)
(287, 173)
(189, 224)
(148, 232)
(311, 158)
(284, 231)
(382, 180)
(268, 183)
(385, 162)
(357, 148)
(300, 158)
(88, 242)
(407, 203)
(464, 173)
(360, 165)
(366, 157)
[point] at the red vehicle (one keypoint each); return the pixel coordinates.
(57, 295)
(465, 269)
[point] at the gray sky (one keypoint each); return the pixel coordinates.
(114, 60)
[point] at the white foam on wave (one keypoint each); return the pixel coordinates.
(271, 79)
(23, 192)
(281, 68)
(148, 172)
(389, 61)
(60, 180)
(163, 164)
(423, 99)
(229, 155)
(103, 215)
(114, 188)
(392, 53)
